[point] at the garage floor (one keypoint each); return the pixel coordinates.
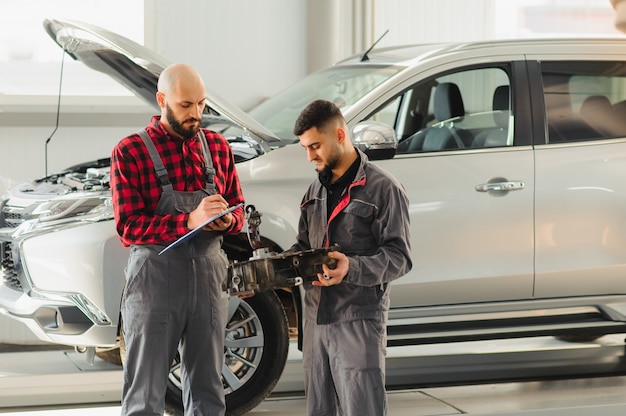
(55, 383)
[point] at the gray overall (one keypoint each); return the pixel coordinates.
(174, 297)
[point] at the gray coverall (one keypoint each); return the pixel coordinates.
(174, 297)
(345, 325)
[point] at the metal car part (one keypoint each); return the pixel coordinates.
(266, 270)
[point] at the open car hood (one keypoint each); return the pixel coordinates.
(138, 68)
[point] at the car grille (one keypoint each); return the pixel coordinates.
(12, 217)
(7, 267)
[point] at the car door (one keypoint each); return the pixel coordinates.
(470, 193)
(581, 171)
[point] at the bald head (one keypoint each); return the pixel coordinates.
(181, 95)
(175, 74)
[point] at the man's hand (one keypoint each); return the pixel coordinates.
(209, 207)
(331, 277)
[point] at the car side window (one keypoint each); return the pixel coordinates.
(389, 112)
(584, 100)
(468, 109)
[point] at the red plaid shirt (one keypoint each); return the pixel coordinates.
(136, 191)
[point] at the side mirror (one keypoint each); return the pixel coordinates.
(377, 140)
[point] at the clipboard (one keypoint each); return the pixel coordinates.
(200, 227)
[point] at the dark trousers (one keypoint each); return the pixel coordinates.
(344, 367)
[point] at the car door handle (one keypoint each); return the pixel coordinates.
(500, 186)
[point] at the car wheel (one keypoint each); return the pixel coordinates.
(255, 353)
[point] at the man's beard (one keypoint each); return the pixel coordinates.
(326, 171)
(185, 133)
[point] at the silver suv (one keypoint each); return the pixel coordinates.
(513, 154)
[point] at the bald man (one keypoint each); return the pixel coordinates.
(166, 180)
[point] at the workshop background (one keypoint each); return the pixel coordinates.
(246, 51)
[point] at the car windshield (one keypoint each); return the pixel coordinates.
(343, 85)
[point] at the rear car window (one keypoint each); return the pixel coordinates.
(584, 100)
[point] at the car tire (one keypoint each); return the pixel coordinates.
(250, 372)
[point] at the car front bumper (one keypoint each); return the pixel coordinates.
(55, 321)
(66, 285)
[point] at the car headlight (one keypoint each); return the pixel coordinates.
(69, 211)
(86, 208)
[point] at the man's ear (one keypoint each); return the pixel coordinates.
(341, 135)
(160, 98)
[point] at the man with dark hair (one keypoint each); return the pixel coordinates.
(364, 210)
(167, 180)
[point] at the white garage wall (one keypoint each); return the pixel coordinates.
(246, 50)
(434, 21)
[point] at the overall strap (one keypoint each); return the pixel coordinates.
(161, 172)
(208, 161)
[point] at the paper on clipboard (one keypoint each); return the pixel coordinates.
(200, 227)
